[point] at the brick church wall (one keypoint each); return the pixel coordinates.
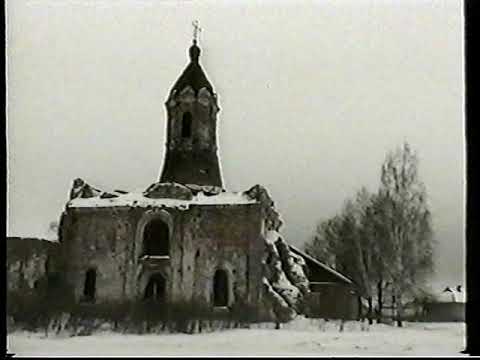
(202, 239)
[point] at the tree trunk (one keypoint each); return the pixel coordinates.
(394, 307)
(399, 312)
(360, 309)
(380, 300)
(47, 324)
(370, 308)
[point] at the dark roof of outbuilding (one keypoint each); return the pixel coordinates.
(193, 75)
(315, 262)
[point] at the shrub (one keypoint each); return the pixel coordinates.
(55, 311)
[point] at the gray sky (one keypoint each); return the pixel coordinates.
(312, 95)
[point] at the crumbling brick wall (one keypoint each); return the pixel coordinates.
(29, 261)
(203, 238)
(100, 239)
(225, 237)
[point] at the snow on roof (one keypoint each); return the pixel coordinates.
(461, 297)
(446, 297)
(322, 265)
(451, 295)
(139, 200)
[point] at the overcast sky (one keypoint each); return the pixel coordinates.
(312, 95)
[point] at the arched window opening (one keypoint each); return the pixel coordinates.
(220, 288)
(156, 288)
(156, 238)
(89, 288)
(187, 125)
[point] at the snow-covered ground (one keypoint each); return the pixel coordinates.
(302, 337)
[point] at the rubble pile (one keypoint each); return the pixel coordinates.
(82, 190)
(168, 191)
(273, 220)
(285, 283)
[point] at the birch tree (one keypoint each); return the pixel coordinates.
(382, 238)
(404, 221)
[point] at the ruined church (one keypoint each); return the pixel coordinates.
(185, 238)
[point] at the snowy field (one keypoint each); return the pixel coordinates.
(299, 338)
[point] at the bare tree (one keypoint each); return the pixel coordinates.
(404, 221)
(374, 231)
(382, 238)
(371, 256)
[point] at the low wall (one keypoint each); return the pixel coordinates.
(452, 311)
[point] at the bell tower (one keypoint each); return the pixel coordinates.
(191, 146)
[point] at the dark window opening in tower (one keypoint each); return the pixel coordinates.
(156, 288)
(220, 288)
(89, 288)
(187, 125)
(156, 238)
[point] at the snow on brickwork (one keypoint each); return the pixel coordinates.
(97, 198)
(282, 310)
(293, 266)
(285, 281)
(272, 236)
(273, 220)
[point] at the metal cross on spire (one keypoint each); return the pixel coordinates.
(196, 30)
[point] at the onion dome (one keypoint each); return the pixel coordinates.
(193, 75)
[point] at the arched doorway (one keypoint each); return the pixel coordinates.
(156, 238)
(89, 288)
(156, 288)
(220, 288)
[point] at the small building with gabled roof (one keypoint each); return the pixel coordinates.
(333, 295)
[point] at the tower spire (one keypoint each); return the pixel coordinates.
(191, 148)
